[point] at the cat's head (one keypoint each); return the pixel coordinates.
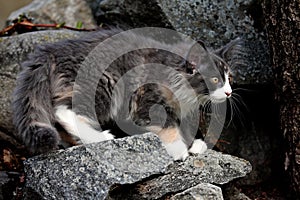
(208, 71)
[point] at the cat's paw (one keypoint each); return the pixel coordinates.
(107, 135)
(198, 147)
(177, 150)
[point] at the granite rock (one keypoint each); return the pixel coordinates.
(6, 185)
(205, 191)
(136, 167)
(87, 172)
(10, 185)
(69, 12)
(132, 13)
(209, 167)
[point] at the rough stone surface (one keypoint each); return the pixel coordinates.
(205, 191)
(13, 50)
(240, 196)
(209, 167)
(231, 192)
(135, 167)
(58, 11)
(132, 13)
(87, 172)
(7, 84)
(5, 185)
(9, 181)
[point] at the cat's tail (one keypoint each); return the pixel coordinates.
(33, 113)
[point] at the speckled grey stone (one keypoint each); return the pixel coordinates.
(13, 50)
(240, 196)
(87, 172)
(132, 13)
(203, 191)
(209, 167)
(6, 186)
(57, 11)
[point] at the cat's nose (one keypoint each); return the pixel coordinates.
(228, 94)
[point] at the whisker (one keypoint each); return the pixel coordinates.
(243, 89)
(239, 99)
(238, 113)
(231, 112)
(218, 113)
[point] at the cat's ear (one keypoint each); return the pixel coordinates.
(196, 53)
(231, 49)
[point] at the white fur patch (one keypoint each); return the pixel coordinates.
(219, 95)
(227, 87)
(177, 150)
(80, 127)
(198, 147)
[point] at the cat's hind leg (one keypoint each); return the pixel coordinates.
(80, 126)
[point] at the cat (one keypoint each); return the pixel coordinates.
(46, 86)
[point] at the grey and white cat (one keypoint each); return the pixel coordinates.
(42, 101)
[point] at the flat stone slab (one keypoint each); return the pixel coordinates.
(87, 172)
(205, 191)
(210, 167)
(136, 167)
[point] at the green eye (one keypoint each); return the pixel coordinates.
(215, 80)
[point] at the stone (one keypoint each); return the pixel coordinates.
(69, 12)
(87, 172)
(132, 13)
(210, 167)
(4, 181)
(135, 167)
(240, 196)
(8, 184)
(7, 85)
(205, 191)
(13, 50)
(230, 192)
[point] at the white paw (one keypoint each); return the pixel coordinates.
(177, 150)
(198, 147)
(107, 135)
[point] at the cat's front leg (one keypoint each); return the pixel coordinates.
(198, 147)
(172, 141)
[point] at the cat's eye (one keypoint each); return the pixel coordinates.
(230, 79)
(215, 80)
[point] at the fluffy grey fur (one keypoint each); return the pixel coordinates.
(47, 81)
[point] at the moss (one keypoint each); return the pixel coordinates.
(46, 38)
